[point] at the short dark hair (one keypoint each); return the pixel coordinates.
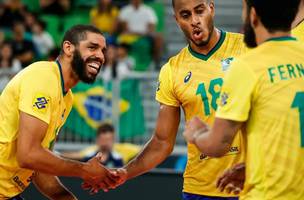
(173, 3)
(276, 15)
(78, 33)
(105, 128)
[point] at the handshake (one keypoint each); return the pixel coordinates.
(97, 177)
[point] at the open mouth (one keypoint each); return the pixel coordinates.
(94, 67)
(197, 34)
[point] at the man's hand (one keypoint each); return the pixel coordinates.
(232, 181)
(97, 176)
(120, 175)
(193, 128)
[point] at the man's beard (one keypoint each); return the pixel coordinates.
(250, 37)
(79, 67)
(204, 42)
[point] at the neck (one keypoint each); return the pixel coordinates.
(263, 35)
(69, 76)
(136, 6)
(215, 37)
(300, 16)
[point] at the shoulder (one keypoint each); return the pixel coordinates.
(146, 8)
(235, 39)
(176, 61)
(127, 8)
(42, 71)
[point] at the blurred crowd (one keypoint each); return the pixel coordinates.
(24, 37)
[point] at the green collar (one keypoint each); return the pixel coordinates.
(212, 51)
(284, 38)
(61, 77)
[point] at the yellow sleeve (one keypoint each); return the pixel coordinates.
(36, 96)
(165, 90)
(237, 92)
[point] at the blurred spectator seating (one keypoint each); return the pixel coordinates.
(23, 48)
(138, 23)
(113, 155)
(43, 41)
(9, 65)
(104, 16)
(118, 62)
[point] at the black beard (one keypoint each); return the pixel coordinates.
(250, 37)
(204, 43)
(79, 67)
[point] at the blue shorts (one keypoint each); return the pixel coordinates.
(18, 197)
(188, 196)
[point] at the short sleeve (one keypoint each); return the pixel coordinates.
(36, 96)
(165, 90)
(237, 92)
(152, 18)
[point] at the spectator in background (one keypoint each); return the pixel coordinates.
(125, 63)
(55, 7)
(105, 141)
(23, 49)
(29, 21)
(43, 41)
(104, 16)
(118, 62)
(10, 11)
(141, 20)
(9, 65)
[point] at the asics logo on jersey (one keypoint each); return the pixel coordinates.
(41, 102)
(188, 77)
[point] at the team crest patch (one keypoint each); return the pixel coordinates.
(226, 63)
(40, 103)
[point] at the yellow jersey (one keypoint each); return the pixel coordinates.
(193, 81)
(265, 88)
(298, 31)
(38, 91)
(104, 21)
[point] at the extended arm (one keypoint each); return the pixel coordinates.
(32, 155)
(215, 142)
(160, 145)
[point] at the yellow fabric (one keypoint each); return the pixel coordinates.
(265, 88)
(104, 21)
(193, 81)
(126, 150)
(298, 32)
(36, 91)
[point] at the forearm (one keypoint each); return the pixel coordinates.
(154, 152)
(45, 161)
(209, 146)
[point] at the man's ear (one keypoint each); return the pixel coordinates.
(211, 6)
(254, 18)
(68, 48)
